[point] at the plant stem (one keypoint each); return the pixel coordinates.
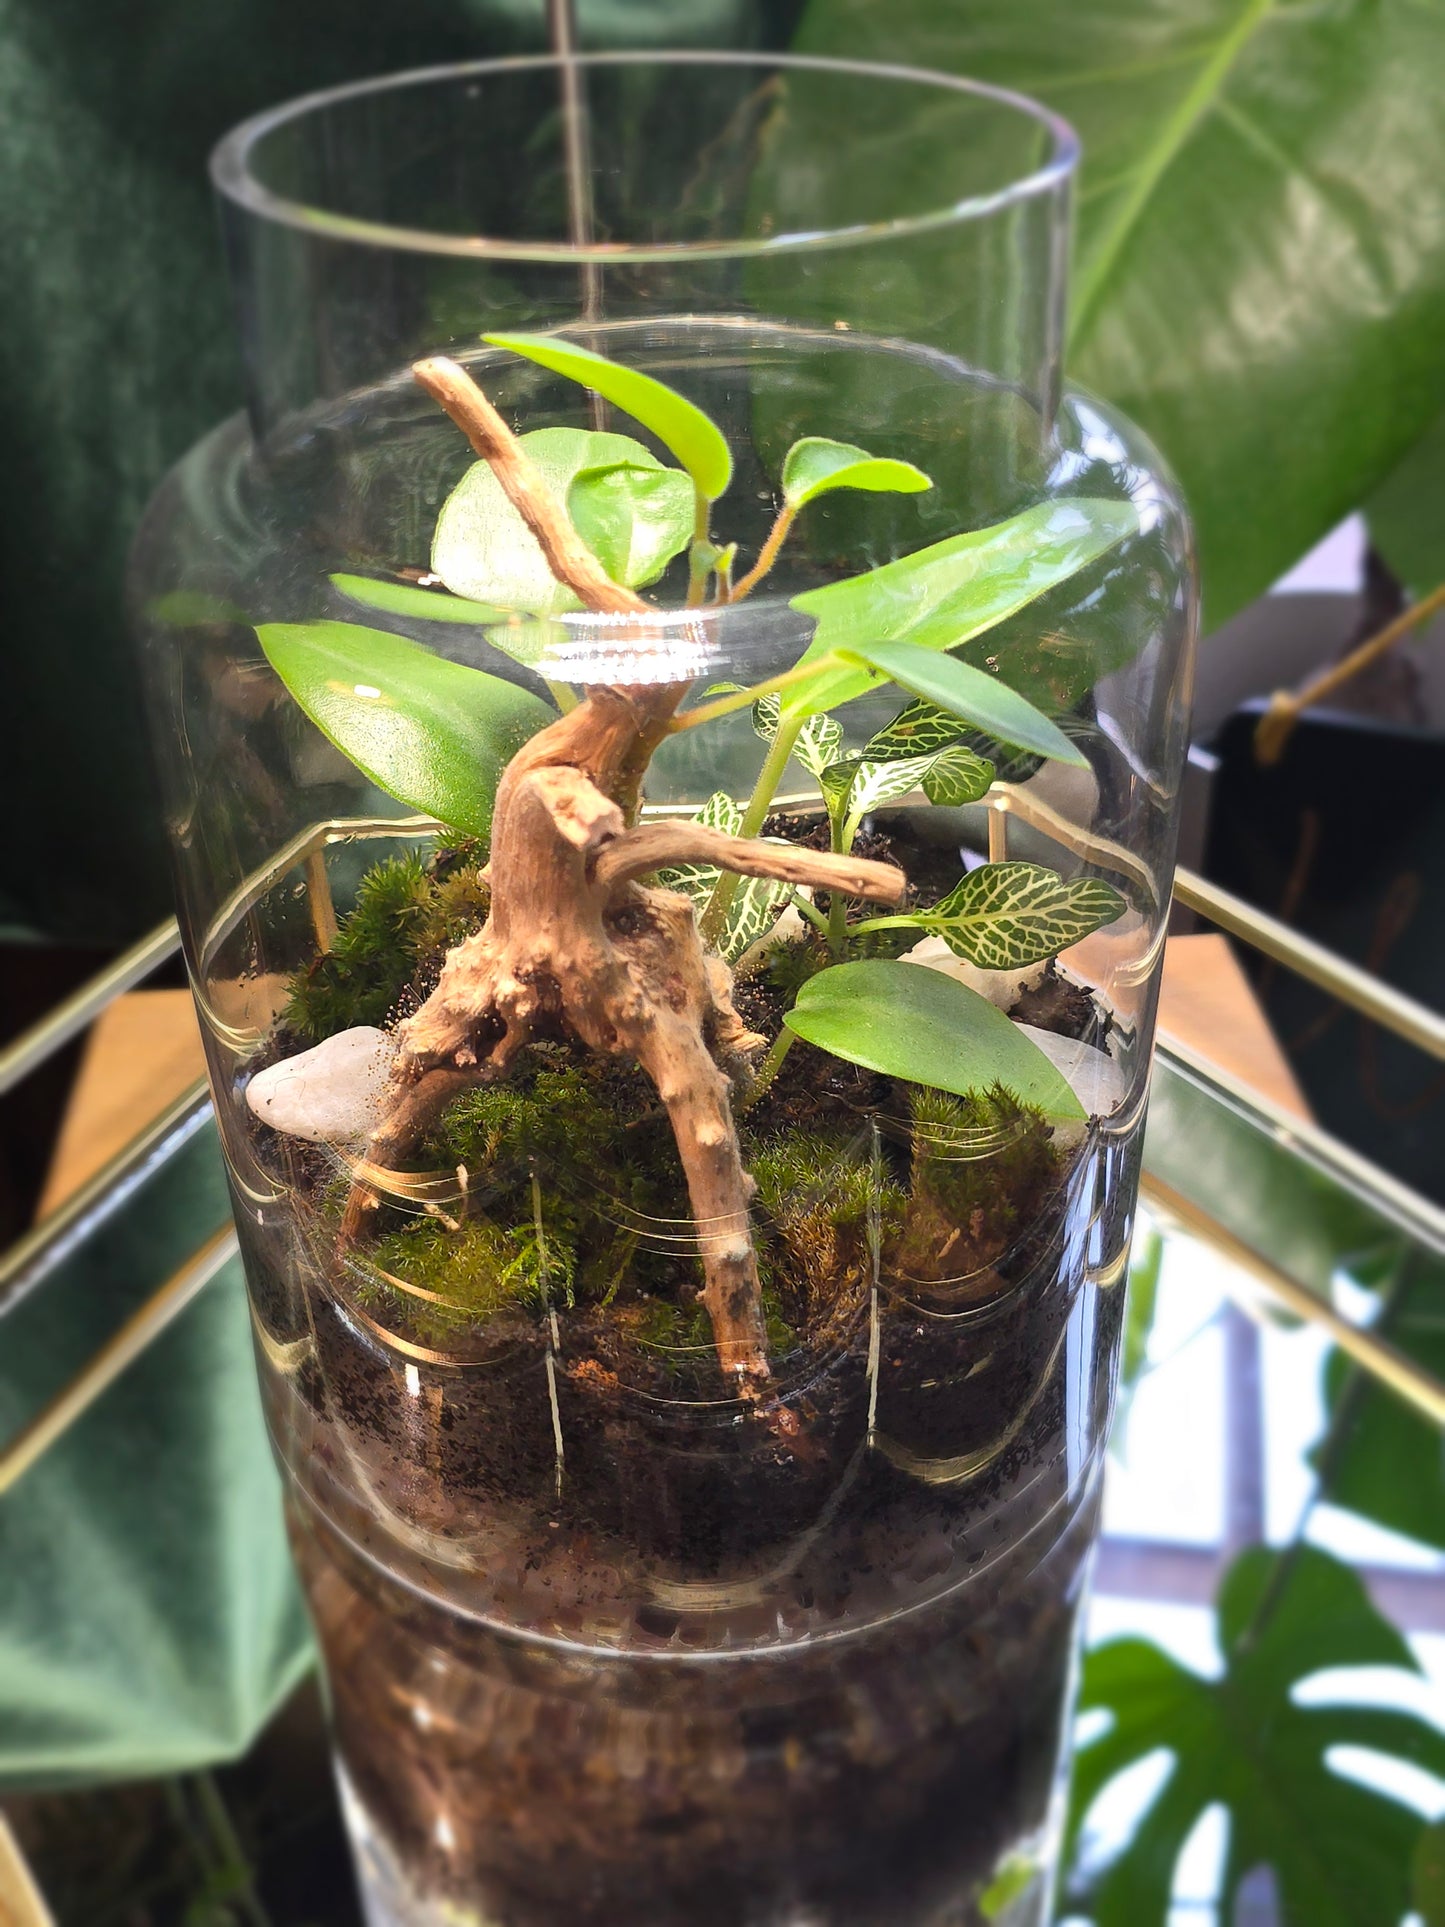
(837, 924)
(741, 698)
(698, 570)
(891, 923)
(768, 1069)
(769, 776)
(805, 909)
(767, 554)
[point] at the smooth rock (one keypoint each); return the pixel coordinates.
(1001, 987)
(1092, 1074)
(330, 1094)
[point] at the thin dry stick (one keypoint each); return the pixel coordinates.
(1277, 724)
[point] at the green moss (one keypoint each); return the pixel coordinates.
(371, 959)
(409, 911)
(982, 1168)
(817, 1190)
(481, 1269)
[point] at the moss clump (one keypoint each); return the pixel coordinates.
(480, 1269)
(821, 1192)
(409, 911)
(983, 1167)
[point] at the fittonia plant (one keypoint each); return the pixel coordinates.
(619, 930)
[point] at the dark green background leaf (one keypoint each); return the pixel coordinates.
(432, 733)
(1406, 513)
(1259, 273)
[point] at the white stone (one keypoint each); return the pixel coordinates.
(330, 1094)
(1091, 1074)
(1001, 987)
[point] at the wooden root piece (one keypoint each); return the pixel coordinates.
(576, 946)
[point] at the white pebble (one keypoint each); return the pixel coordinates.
(331, 1094)
(1093, 1076)
(1001, 987)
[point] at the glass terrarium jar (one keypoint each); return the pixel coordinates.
(625, 1619)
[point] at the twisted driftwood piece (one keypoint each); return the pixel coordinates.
(576, 946)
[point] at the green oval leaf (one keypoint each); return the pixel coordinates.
(483, 549)
(972, 694)
(694, 439)
(434, 734)
(404, 599)
(943, 595)
(634, 520)
(907, 1021)
(1003, 916)
(814, 465)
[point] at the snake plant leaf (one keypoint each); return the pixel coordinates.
(1259, 271)
(421, 605)
(434, 734)
(678, 424)
(758, 900)
(634, 519)
(907, 1021)
(1004, 916)
(1340, 1852)
(815, 465)
(956, 776)
(482, 549)
(945, 594)
(818, 742)
(971, 693)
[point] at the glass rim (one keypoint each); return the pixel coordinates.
(232, 176)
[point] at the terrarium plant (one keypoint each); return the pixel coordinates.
(604, 931)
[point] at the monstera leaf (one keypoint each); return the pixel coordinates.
(1341, 1854)
(1259, 273)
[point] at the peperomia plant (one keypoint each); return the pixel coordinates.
(618, 929)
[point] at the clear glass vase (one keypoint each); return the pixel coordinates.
(601, 1644)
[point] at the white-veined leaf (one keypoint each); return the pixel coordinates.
(757, 900)
(956, 776)
(1003, 916)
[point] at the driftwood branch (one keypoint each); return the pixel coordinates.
(568, 557)
(574, 943)
(657, 846)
